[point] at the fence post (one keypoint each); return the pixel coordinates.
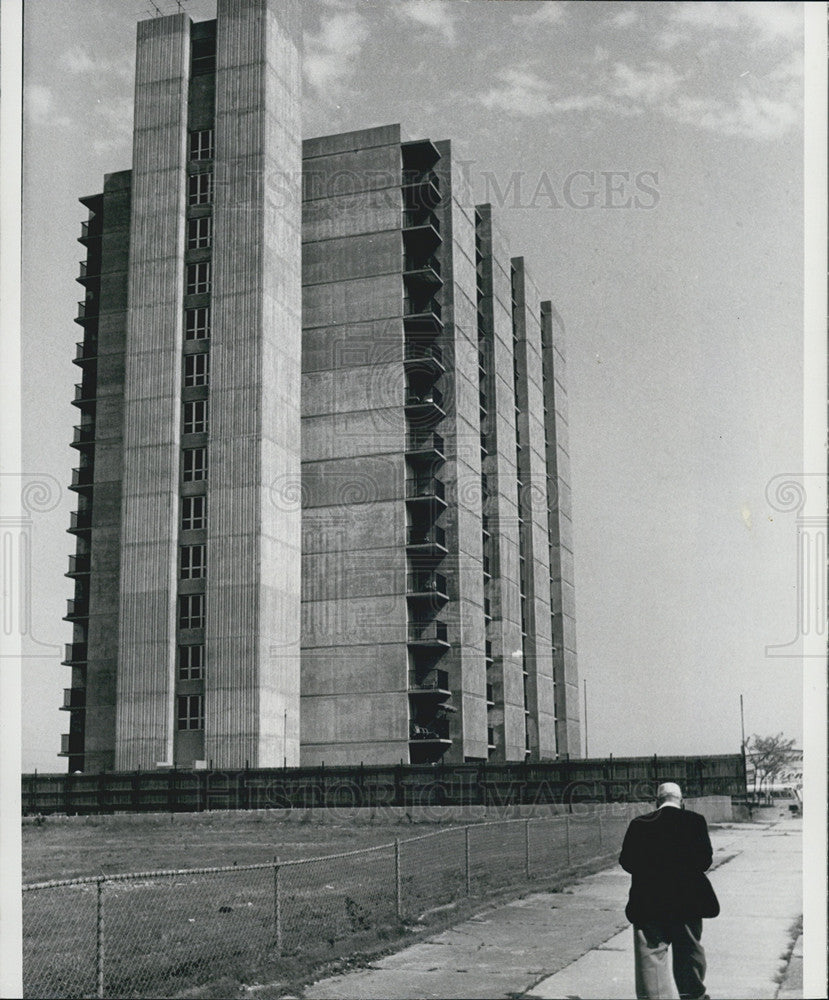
(277, 909)
(99, 940)
(527, 848)
(398, 881)
(466, 859)
(567, 835)
(601, 834)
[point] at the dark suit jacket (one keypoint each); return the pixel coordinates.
(667, 852)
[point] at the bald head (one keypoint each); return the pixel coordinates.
(668, 791)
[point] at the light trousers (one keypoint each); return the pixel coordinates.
(650, 951)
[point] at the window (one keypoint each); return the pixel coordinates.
(195, 417)
(200, 189)
(203, 56)
(195, 464)
(191, 611)
(197, 323)
(201, 144)
(193, 513)
(193, 562)
(191, 663)
(198, 278)
(191, 711)
(199, 232)
(196, 369)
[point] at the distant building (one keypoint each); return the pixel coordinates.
(324, 508)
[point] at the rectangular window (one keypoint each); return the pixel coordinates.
(198, 278)
(200, 189)
(193, 562)
(194, 417)
(195, 464)
(191, 663)
(199, 232)
(197, 323)
(191, 711)
(191, 611)
(193, 513)
(203, 56)
(196, 369)
(201, 144)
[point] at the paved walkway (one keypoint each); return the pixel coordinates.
(577, 944)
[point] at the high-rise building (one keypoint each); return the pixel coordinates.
(323, 480)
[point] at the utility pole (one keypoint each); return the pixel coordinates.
(586, 751)
(742, 725)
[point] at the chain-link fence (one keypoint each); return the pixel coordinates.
(154, 934)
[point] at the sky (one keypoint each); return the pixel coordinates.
(647, 162)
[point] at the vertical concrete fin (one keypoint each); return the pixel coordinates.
(144, 717)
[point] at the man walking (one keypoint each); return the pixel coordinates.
(667, 852)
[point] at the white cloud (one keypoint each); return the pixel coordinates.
(624, 19)
(77, 61)
(432, 14)
(331, 54)
(40, 106)
(765, 23)
(752, 116)
(520, 92)
(650, 84)
(543, 12)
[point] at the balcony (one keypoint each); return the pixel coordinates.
(422, 275)
(425, 586)
(487, 568)
(430, 633)
(488, 653)
(76, 608)
(425, 447)
(422, 316)
(487, 610)
(78, 565)
(85, 351)
(84, 273)
(490, 736)
(86, 310)
(419, 154)
(84, 394)
(71, 745)
(421, 191)
(90, 230)
(490, 696)
(73, 699)
(82, 478)
(434, 684)
(80, 520)
(424, 406)
(436, 731)
(75, 653)
(83, 435)
(423, 358)
(425, 489)
(426, 540)
(421, 232)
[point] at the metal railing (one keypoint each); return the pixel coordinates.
(158, 933)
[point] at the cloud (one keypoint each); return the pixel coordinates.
(544, 12)
(649, 84)
(77, 61)
(331, 53)
(764, 23)
(752, 116)
(624, 19)
(40, 106)
(430, 14)
(520, 92)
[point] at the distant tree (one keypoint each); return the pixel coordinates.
(771, 756)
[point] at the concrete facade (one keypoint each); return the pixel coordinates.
(328, 447)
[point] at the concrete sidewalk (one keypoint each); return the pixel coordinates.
(577, 943)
